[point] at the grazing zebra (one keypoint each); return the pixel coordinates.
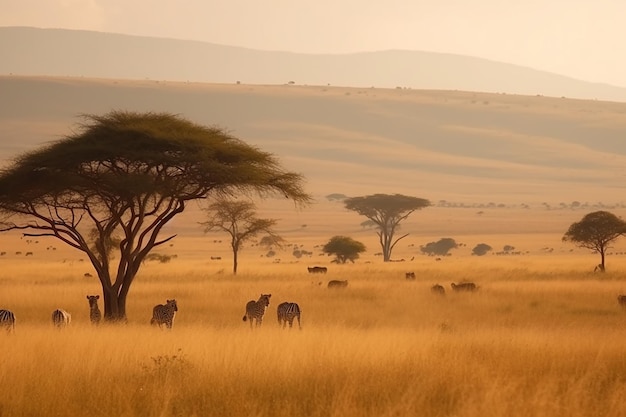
(94, 312)
(256, 309)
(621, 300)
(464, 286)
(164, 314)
(287, 312)
(438, 289)
(7, 319)
(337, 284)
(61, 318)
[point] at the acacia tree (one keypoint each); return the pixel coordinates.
(387, 211)
(238, 219)
(441, 247)
(596, 231)
(344, 248)
(481, 249)
(126, 175)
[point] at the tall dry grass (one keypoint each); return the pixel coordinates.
(539, 338)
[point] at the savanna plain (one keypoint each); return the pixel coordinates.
(542, 336)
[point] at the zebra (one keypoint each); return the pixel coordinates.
(7, 319)
(164, 314)
(256, 309)
(287, 312)
(61, 318)
(94, 312)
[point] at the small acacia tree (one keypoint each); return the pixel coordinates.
(481, 249)
(344, 248)
(238, 219)
(441, 247)
(596, 231)
(126, 175)
(387, 211)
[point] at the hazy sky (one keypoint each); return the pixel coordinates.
(579, 38)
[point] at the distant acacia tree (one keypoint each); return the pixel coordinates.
(481, 249)
(269, 241)
(387, 211)
(508, 248)
(344, 248)
(336, 197)
(113, 185)
(441, 247)
(596, 231)
(238, 219)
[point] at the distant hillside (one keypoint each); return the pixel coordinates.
(442, 145)
(59, 52)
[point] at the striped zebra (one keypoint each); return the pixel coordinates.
(61, 318)
(256, 309)
(287, 312)
(94, 312)
(7, 319)
(164, 314)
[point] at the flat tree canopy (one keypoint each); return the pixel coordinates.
(386, 211)
(344, 248)
(122, 177)
(481, 249)
(596, 231)
(440, 247)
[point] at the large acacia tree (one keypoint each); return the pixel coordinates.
(121, 178)
(596, 231)
(239, 220)
(387, 211)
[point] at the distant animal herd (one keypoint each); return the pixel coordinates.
(287, 312)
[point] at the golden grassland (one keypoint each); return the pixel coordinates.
(541, 337)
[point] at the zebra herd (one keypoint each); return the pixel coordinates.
(287, 312)
(161, 314)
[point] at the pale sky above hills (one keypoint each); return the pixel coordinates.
(577, 38)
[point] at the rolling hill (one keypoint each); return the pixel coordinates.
(60, 52)
(443, 145)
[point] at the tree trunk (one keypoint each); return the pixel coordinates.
(602, 263)
(384, 243)
(114, 306)
(386, 238)
(235, 252)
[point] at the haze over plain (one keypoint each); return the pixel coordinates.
(515, 147)
(457, 146)
(574, 38)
